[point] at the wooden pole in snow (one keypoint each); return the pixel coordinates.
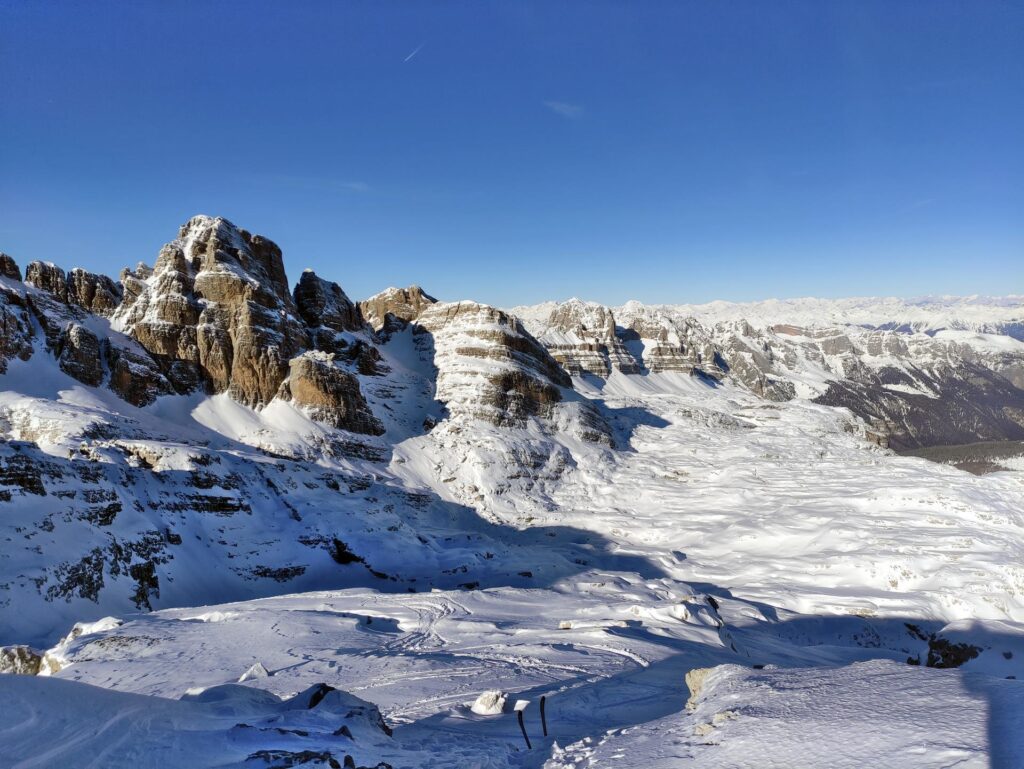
(543, 718)
(520, 707)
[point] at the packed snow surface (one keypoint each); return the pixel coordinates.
(726, 531)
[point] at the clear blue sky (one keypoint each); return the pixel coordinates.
(515, 152)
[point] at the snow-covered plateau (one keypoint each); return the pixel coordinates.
(248, 525)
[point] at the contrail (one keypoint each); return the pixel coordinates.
(413, 53)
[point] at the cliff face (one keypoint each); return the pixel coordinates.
(395, 307)
(488, 366)
(216, 309)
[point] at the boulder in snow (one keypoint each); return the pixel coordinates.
(256, 671)
(19, 660)
(489, 703)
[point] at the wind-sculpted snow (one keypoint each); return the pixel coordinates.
(878, 713)
(242, 493)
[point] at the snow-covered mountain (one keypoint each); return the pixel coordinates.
(437, 498)
(921, 373)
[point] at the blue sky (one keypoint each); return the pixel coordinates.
(516, 152)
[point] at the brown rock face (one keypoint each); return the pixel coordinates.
(323, 303)
(78, 354)
(20, 660)
(96, 293)
(395, 307)
(583, 338)
(326, 310)
(216, 309)
(135, 376)
(329, 393)
(15, 327)
(9, 268)
(49, 278)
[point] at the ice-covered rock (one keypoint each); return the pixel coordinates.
(256, 670)
(490, 703)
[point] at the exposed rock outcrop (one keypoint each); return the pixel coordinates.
(394, 307)
(96, 293)
(78, 354)
(489, 366)
(329, 393)
(15, 327)
(9, 268)
(216, 309)
(49, 278)
(584, 339)
(665, 342)
(20, 660)
(134, 375)
(747, 356)
(326, 311)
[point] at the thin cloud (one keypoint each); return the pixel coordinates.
(566, 110)
(416, 51)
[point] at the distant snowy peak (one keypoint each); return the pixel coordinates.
(395, 306)
(985, 314)
(997, 315)
(921, 372)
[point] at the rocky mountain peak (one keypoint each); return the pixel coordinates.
(9, 268)
(584, 338)
(217, 311)
(489, 366)
(215, 245)
(325, 309)
(394, 307)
